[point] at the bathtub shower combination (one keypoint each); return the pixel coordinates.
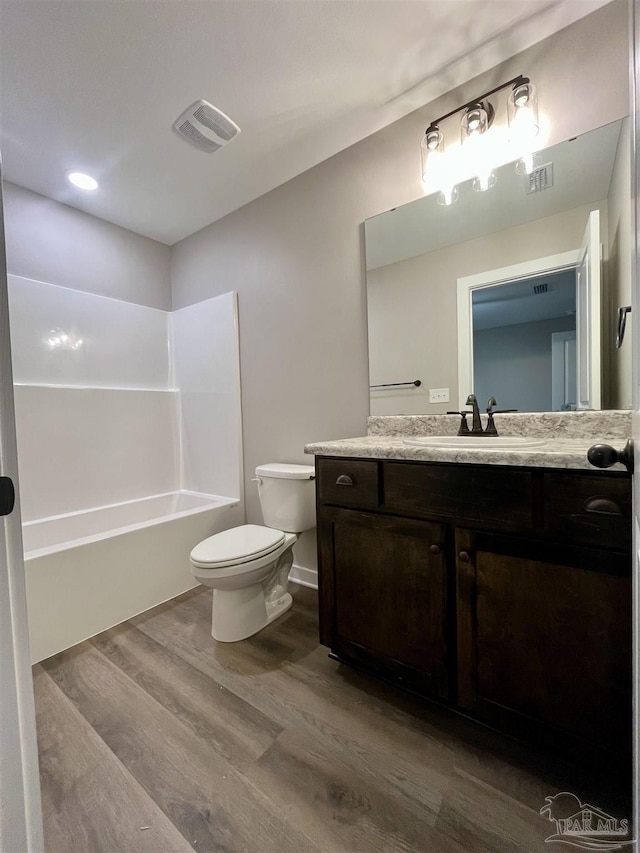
(129, 448)
(92, 569)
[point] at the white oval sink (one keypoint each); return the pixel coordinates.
(484, 442)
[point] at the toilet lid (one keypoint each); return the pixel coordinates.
(237, 545)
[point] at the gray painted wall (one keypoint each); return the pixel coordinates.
(296, 255)
(57, 244)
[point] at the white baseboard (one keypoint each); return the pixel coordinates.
(304, 576)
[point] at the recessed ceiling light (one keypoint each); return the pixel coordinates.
(82, 181)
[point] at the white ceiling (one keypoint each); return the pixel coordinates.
(96, 85)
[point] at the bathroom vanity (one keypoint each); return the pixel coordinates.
(500, 586)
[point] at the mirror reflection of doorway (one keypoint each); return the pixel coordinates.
(584, 265)
(524, 336)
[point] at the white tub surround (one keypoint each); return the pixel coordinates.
(61, 532)
(116, 401)
(206, 370)
(568, 436)
(88, 571)
(89, 447)
(129, 449)
(61, 336)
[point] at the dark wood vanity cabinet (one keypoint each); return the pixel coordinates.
(504, 592)
(385, 594)
(544, 640)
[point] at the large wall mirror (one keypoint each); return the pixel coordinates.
(513, 292)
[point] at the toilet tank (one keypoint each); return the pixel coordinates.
(287, 496)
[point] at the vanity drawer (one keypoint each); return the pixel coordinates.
(473, 493)
(349, 482)
(590, 509)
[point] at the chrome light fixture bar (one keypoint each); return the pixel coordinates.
(477, 118)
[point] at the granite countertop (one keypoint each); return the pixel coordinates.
(558, 453)
(567, 437)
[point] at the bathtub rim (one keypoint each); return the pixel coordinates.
(214, 502)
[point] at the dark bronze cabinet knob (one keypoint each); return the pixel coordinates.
(344, 480)
(435, 549)
(604, 456)
(464, 557)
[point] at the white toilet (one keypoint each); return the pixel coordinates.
(247, 567)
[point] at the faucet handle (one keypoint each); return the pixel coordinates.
(463, 429)
(490, 429)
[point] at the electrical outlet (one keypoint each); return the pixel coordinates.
(438, 395)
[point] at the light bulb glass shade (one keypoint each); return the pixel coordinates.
(474, 122)
(522, 112)
(447, 196)
(484, 181)
(478, 146)
(526, 164)
(431, 151)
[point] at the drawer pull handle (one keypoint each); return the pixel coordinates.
(345, 480)
(602, 506)
(435, 549)
(464, 557)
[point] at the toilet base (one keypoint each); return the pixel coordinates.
(277, 608)
(240, 613)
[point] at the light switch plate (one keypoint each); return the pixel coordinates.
(438, 395)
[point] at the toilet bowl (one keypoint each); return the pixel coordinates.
(247, 567)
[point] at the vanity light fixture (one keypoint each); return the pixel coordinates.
(522, 114)
(431, 149)
(434, 161)
(82, 181)
(476, 121)
(481, 150)
(522, 110)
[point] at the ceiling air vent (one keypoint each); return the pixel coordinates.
(540, 288)
(205, 127)
(540, 179)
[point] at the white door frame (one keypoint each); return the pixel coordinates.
(20, 805)
(635, 336)
(563, 375)
(588, 317)
(492, 278)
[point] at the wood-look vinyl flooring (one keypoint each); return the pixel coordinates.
(153, 737)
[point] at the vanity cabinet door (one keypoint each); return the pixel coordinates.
(384, 595)
(545, 640)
